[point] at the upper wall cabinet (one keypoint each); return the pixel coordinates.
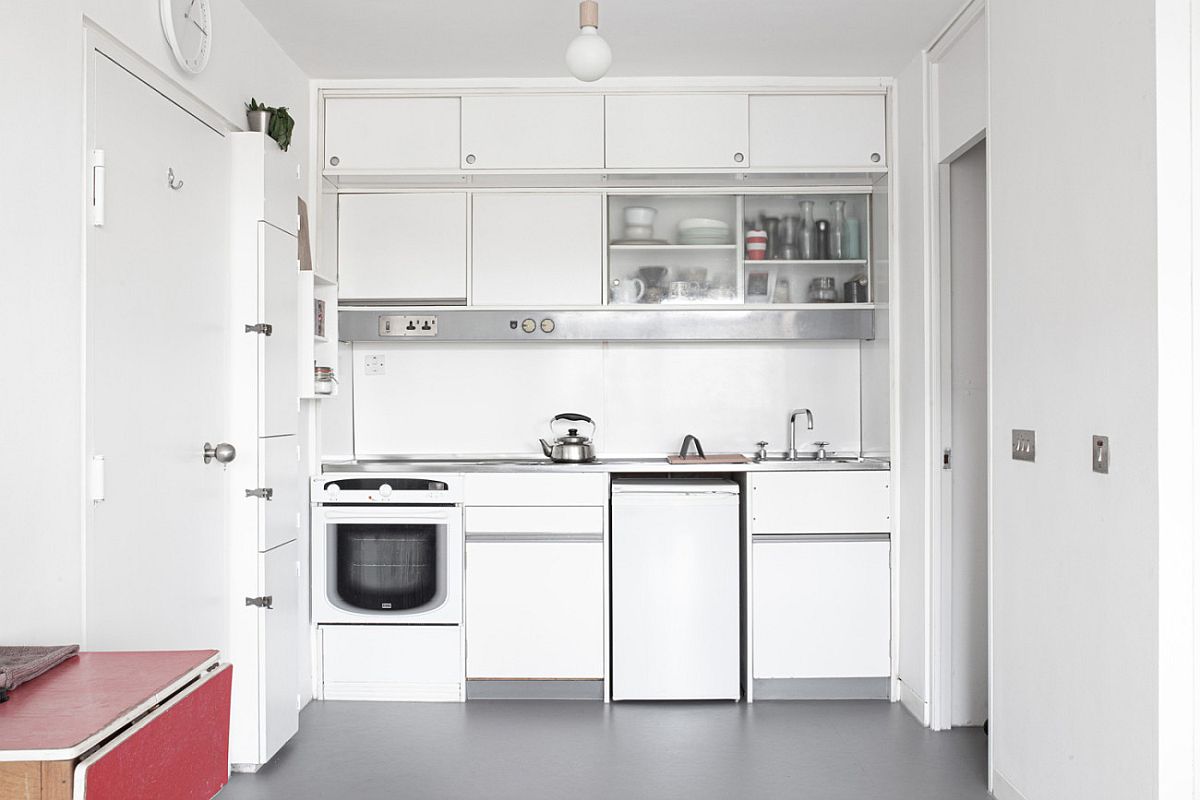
(676, 131)
(533, 132)
(537, 248)
(818, 131)
(391, 133)
(408, 248)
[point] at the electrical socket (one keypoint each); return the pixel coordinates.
(1024, 445)
(373, 364)
(408, 325)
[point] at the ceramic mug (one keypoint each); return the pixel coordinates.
(630, 290)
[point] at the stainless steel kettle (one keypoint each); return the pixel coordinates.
(572, 448)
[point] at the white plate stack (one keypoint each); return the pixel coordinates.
(701, 231)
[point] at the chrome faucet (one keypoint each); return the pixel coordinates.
(791, 453)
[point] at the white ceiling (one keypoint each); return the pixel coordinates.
(527, 38)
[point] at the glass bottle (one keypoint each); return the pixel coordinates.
(804, 236)
(837, 230)
(789, 229)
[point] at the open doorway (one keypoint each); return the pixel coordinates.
(964, 429)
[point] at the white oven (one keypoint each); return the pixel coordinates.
(387, 549)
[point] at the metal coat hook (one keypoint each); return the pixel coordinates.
(174, 184)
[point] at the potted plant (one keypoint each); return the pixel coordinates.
(274, 122)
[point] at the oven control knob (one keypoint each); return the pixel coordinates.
(385, 490)
(333, 489)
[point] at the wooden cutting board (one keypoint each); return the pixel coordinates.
(716, 458)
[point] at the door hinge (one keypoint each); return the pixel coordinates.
(265, 494)
(946, 458)
(261, 602)
(262, 327)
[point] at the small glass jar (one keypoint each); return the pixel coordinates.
(822, 290)
(323, 380)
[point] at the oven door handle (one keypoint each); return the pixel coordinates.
(390, 515)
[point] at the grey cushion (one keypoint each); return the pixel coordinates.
(21, 664)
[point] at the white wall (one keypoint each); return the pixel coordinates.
(446, 399)
(909, 465)
(40, 421)
(41, 126)
(1071, 141)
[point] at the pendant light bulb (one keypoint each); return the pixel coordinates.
(588, 55)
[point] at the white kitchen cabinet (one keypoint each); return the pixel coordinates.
(820, 502)
(403, 247)
(821, 607)
(535, 489)
(391, 662)
(537, 131)
(277, 292)
(818, 131)
(676, 131)
(397, 134)
(535, 606)
(536, 249)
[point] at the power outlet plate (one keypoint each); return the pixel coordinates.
(1024, 445)
(408, 325)
(1100, 454)
(373, 364)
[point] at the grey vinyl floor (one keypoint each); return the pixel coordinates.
(816, 750)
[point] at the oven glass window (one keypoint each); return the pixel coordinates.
(387, 567)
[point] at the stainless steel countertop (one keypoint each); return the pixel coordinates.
(623, 465)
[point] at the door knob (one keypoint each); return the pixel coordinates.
(224, 452)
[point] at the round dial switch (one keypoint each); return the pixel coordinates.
(529, 326)
(547, 326)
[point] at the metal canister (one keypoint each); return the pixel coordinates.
(855, 291)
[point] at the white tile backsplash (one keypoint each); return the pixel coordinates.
(496, 399)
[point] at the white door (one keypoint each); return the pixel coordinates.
(548, 131)
(391, 133)
(535, 607)
(157, 372)
(278, 645)
(676, 131)
(818, 131)
(821, 608)
(966, 294)
(278, 306)
(403, 247)
(537, 249)
(279, 469)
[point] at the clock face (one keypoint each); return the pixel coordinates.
(187, 24)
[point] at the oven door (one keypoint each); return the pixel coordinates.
(394, 563)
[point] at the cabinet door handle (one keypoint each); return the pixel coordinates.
(875, 157)
(470, 159)
(739, 157)
(334, 161)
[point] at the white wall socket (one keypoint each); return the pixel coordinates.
(373, 364)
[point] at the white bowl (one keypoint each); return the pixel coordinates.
(640, 215)
(701, 222)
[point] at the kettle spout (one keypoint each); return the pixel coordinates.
(546, 447)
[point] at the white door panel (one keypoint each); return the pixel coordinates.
(818, 131)
(278, 306)
(279, 645)
(279, 469)
(536, 249)
(402, 246)
(157, 372)
(676, 131)
(552, 131)
(391, 133)
(535, 609)
(820, 502)
(821, 609)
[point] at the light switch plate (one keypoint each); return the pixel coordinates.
(373, 364)
(1024, 445)
(1100, 454)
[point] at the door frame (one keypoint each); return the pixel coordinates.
(939, 530)
(100, 43)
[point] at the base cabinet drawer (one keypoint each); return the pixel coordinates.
(821, 502)
(391, 662)
(535, 608)
(821, 608)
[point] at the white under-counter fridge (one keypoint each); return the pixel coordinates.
(675, 590)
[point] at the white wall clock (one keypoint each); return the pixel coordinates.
(187, 24)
